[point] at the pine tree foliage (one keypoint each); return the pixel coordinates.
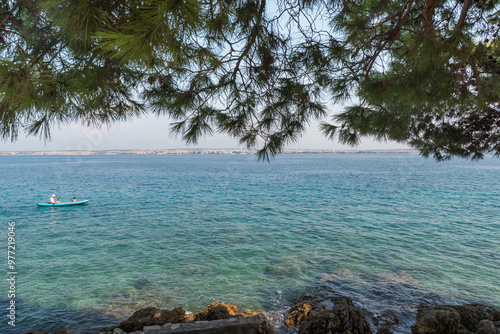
(425, 73)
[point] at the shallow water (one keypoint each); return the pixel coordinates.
(389, 231)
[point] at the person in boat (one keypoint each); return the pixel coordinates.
(74, 199)
(58, 201)
(52, 199)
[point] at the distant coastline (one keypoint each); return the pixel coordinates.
(184, 151)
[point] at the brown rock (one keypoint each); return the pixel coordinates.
(468, 318)
(216, 311)
(486, 327)
(436, 320)
(36, 332)
(62, 331)
(341, 319)
(472, 314)
(151, 316)
(307, 306)
(299, 313)
(384, 329)
(251, 313)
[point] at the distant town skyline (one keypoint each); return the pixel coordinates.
(153, 133)
(203, 151)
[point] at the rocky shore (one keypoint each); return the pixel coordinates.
(311, 314)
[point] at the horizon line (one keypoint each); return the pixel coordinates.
(201, 150)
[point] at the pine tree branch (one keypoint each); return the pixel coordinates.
(253, 37)
(9, 14)
(463, 14)
(428, 13)
(394, 34)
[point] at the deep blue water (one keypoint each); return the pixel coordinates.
(388, 230)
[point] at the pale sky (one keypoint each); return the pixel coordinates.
(153, 133)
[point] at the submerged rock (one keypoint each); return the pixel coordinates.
(384, 321)
(462, 319)
(384, 329)
(59, 331)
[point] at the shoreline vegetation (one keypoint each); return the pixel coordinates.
(312, 314)
(184, 151)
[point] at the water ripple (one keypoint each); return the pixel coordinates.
(389, 231)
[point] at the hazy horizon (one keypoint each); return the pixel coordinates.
(153, 133)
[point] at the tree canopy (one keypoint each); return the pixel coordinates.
(421, 72)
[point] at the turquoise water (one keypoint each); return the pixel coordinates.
(389, 231)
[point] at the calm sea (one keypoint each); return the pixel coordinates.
(388, 230)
